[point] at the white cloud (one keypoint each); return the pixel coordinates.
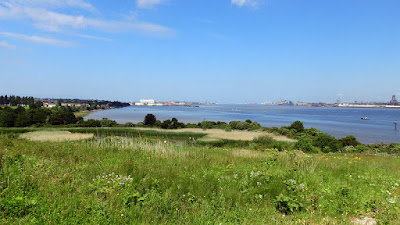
(250, 3)
(52, 21)
(37, 39)
(81, 4)
(147, 3)
(4, 44)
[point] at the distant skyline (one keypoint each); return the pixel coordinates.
(226, 51)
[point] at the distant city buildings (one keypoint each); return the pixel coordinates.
(152, 102)
(394, 100)
(392, 104)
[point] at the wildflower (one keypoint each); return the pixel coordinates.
(302, 185)
(235, 176)
(165, 142)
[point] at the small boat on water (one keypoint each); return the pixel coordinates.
(364, 118)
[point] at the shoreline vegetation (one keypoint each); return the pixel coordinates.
(58, 168)
(142, 175)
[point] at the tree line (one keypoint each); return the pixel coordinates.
(36, 116)
(13, 100)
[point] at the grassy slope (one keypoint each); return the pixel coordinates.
(82, 113)
(63, 183)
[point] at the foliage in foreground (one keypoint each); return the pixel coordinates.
(121, 180)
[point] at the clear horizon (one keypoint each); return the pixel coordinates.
(231, 51)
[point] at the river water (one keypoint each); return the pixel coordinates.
(338, 122)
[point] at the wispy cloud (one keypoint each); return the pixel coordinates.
(37, 39)
(92, 37)
(49, 20)
(80, 4)
(147, 3)
(217, 36)
(250, 3)
(5, 44)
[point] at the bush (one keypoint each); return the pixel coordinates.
(91, 123)
(238, 125)
(298, 126)
(313, 132)
(228, 128)
(305, 144)
(263, 142)
(207, 124)
(129, 124)
(107, 123)
(254, 126)
(349, 141)
(326, 143)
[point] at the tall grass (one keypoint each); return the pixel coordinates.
(126, 180)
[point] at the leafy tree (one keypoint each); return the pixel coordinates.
(62, 117)
(305, 144)
(350, 140)
(150, 119)
(39, 115)
(313, 132)
(8, 117)
(23, 120)
(107, 123)
(298, 126)
(36, 105)
(326, 143)
(19, 110)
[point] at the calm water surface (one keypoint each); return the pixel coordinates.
(338, 122)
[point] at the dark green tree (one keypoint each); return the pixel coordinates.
(150, 119)
(326, 143)
(91, 123)
(298, 126)
(350, 140)
(62, 117)
(23, 120)
(8, 117)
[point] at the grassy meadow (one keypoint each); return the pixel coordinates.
(122, 176)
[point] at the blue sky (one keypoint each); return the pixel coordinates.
(228, 51)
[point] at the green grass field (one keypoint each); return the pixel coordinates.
(82, 113)
(156, 178)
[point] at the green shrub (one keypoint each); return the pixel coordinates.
(305, 144)
(298, 126)
(239, 125)
(350, 140)
(108, 123)
(129, 124)
(326, 143)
